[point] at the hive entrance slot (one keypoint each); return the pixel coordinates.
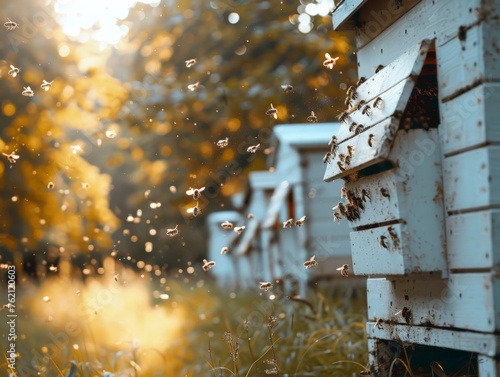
(422, 110)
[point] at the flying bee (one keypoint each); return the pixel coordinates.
(342, 117)
(312, 262)
(360, 81)
(195, 192)
(367, 110)
(173, 232)
(46, 85)
(378, 68)
(371, 137)
(353, 126)
(250, 216)
(273, 112)
(350, 150)
(384, 192)
(193, 87)
(12, 157)
(265, 285)
(336, 215)
(300, 221)
(344, 270)
(253, 148)
(287, 88)
(14, 71)
(190, 63)
(10, 25)
(341, 208)
(378, 103)
(207, 265)
(27, 92)
(382, 242)
(330, 62)
(223, 143)
(194, 210)
(288, 223)
(360, 128)
(312, 118)
(378, 324)
(341, 168)
(327, 157)
(406, 314)
(224, 250)
(365, 194)
(239, 229)
(226, 225)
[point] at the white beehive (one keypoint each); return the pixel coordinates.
(446, 211)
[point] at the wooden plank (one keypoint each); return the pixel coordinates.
(344, 12)
(423, 21)
(364, 155)
(484, 344)
(472, 180)
(464, 301)
(471, 119)
(463, 64)
(473, 240)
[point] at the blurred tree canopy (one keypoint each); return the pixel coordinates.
(120, 136)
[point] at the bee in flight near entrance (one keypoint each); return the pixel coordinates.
(173, 231)
(273, 112)
(312, 262)
(224, 250)
(194, 210)
(195, 192)
(312, 118)
(27, 92)
(190, 63)
(253, 148)
(46, 85)
(287, 88)
(300, 221)
(226, 225)
(329, 61)
(207, 265)
(223, 143)
(344, 270)
(12, 157)
(193, 87)
(14, 71)
(288, 223)
(378, 324)
(265, 285)
(10, 25)
(239, 229)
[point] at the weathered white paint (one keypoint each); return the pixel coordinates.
(463, 301)
(472, 180)
(473, 240)
(471, 119)
(485, 344)
(344, 11)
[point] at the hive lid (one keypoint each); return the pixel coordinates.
(393, 85)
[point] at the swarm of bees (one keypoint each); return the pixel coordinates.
(311, 262)
(10, 25)
(329, 61)
(344, 270)
(351, 211)
(195, 192)
(173, 231)
(207, 265)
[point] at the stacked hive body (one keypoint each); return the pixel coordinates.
(426, 169)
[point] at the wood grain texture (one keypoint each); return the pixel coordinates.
(464, 300)
(472, 180)
(471, 119)
(484, 344)
(473, 240)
